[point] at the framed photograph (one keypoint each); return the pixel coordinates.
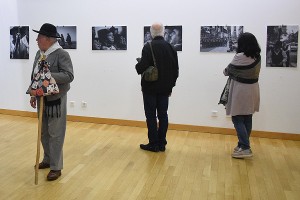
(109, 38)
(219, 38)
(282, 46)
(147, 34)
(173, 35)
(68, 37)
(19, 42)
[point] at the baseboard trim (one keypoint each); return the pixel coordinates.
(179, 127)
(18, 113)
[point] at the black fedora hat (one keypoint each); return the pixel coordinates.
(48, 30)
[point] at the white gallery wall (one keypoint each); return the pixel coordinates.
(108, 82)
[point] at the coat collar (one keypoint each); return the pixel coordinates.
(159, 38)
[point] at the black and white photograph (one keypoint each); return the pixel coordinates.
(219, 38)
(282, 46)
(19, 42)
(147, 34)
(68, 37)
(109, 38)
(173, 35)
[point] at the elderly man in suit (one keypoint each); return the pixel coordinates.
(55, 112)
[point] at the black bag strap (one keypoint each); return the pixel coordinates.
(152, 54)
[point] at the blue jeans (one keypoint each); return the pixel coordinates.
(156, 104)
(243, 127)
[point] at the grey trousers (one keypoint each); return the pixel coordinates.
(53, 136)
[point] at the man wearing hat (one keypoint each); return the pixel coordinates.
(55, 111)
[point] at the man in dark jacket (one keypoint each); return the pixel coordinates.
(156, 94)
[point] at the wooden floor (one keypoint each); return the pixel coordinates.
(105, 162)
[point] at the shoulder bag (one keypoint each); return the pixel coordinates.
(151, 73)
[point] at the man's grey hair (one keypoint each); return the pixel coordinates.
(157, 29)
(53, 39)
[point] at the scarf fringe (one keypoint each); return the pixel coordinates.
(49, 108)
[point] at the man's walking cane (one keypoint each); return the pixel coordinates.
(41, 110)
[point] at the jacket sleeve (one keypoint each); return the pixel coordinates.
(65, 72)
(176, 66)
(145, 61)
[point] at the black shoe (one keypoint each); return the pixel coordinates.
(43, 165)
(149, 147)
(53, 175)
(162, 148)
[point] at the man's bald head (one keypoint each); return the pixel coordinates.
(157, 29)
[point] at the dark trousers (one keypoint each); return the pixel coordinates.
(156, 104)
(243, 127)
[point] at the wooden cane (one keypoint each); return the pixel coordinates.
(41, 110)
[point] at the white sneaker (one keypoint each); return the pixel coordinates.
(242, 153)
(236, 149)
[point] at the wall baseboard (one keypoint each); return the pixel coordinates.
(142, 124)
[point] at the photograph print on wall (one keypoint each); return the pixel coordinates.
(219, 38)
(19, 42)
(147, 34)
(282, 46)
(68, 37)
(109, 38)
(172, 34)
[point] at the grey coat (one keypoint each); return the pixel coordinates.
(61, 70)
(243, 98)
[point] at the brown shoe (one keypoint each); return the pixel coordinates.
(53, 175)
(43, 165)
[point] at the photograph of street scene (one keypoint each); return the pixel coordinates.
(67, 38)
(173, 35)
(219, 38)
(282, 46)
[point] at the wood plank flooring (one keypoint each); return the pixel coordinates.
(105, 162)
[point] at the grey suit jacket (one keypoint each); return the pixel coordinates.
(61, 68)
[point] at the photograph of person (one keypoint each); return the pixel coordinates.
(147, 34)
(68, 37)
(282, 46)
(172, 35)
(219, 38)
(19, 42)
(109, 38)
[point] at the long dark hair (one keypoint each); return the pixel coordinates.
(248, 45)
